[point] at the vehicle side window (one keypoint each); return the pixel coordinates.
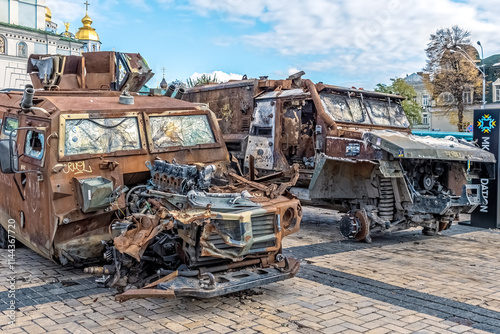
(35, 144)
(10, 124)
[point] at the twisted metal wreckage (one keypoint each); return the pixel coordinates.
(354, 149)
(143, 183)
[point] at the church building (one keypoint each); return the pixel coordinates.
(26, 27)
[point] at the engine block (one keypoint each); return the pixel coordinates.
(180, 178)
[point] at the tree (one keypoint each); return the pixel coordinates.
(400, 87)
(204, 79)
(450, 67)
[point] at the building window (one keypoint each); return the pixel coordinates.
(446, 98)
(3, 45)
(425, 100)
(497, 93)
(467, 96)
(425, 118)
(22, 50)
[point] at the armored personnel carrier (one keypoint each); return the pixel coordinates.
(138, 189)
(355, 152)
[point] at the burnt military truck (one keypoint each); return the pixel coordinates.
(142, 183)
(355, 152)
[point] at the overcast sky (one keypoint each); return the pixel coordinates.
(343, 42)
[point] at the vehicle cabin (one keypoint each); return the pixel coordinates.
(71, 142)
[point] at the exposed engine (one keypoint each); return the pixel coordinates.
(429, 197)
(427, 177)
(176, 227)
(177, 178)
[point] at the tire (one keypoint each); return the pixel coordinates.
(4, 238)
(429, 231)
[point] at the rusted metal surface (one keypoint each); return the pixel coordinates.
(144, 293)
(327, 118)
(145, 187)
(233, 102)
(167, 278)
(355, 152)
(92, 70)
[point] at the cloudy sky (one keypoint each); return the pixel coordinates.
(343, 42)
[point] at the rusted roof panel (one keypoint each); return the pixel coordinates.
(89, 103)
(284, 94)
(230, 84)
(369, 93)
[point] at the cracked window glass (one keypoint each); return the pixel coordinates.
(383, 113)
(344, 109)
(101, 135)
(34, 144)
(398, 116)
(378, 112)
(189, 130)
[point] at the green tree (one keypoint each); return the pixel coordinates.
(450, 68)
(400, 87)
(204, 79)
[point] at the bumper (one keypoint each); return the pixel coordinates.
(471, 197)
(215, 284)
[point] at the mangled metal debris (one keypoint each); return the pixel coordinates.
(143, 183)
(355, 151)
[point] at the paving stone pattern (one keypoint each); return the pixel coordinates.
(401, 283)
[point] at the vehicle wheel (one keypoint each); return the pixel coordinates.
(4, 238)
(429, 231)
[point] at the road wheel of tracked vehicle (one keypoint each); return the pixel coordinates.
(4, 238)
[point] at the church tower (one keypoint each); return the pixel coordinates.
(50, 26)
(87, 34)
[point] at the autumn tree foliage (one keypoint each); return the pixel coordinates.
(451, 68)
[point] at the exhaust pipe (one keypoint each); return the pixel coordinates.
(180, 93)
(329, 121)
(27, 100)
(170, 91)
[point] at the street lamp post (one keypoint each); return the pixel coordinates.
(484, 75)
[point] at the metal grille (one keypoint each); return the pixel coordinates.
(261, 226)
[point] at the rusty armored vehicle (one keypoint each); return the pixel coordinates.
(138, 189)
(355, 152)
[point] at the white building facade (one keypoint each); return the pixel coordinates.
(26, 27)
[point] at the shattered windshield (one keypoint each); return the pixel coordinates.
(398, 116)
(357, 110)
(378, 112)
(189, 130)
(101, 135)
(385, 113)
(344, 109)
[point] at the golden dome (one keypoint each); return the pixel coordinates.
(87, 32)
(48, 14)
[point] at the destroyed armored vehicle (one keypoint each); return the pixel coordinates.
(355, 151)
(138, 189)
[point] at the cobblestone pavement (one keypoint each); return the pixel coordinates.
(401, 283)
